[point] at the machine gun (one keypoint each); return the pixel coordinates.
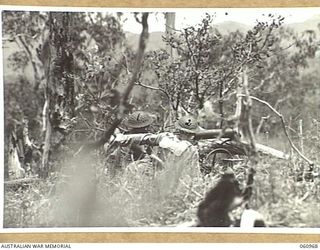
(213, 138)
(154, 139)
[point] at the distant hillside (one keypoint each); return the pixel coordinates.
(310, 24)
(9, 74)
(156, 42)
(230, 26)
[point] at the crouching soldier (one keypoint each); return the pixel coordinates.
(143, 160)
(181, 167)
(134, 158)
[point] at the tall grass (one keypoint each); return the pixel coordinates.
(83, 194)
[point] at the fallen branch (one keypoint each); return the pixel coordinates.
(284, 128)
(21, 181)
(305, 196)
(268, 150)
(191, 189)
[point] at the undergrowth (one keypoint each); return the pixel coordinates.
(83, 194)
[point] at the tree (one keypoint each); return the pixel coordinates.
(59, 92)
(27, 30)
(170, 18)
(72, 76)
(208, 65)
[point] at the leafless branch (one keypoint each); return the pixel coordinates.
(189, 46)
(267, 37)
(126, 63)
(229, 85)
(137, 18)
(174, 29)
(191, 189)
(90, 17)
(153, 88)
(262, 120)
(263, 81)
(33, 63)
(284, 128)
(279, 101)
(89, 125)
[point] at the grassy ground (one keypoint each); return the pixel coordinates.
(83, 194)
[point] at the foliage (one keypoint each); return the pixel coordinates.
(279, 81)
(95, 40)
(18, 106)
(284, 200)
(28, 24)
(205, 66)
(18, 60)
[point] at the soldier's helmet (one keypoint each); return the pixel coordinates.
(138, 119)
(188, 124)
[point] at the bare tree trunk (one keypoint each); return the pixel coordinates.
(44, 169)
(301, 136)
(59, 96)
(221, 88)
(37, 79)
(245, 119)
(14, 169)
(170, 26)
(238, 110)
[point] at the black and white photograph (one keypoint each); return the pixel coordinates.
(178, 119)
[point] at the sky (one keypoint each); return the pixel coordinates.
(190, 16)
(248, 16)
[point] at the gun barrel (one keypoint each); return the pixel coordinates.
(215, 133)
(153, 139)
(141, 139)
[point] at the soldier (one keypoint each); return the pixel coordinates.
(186, 127)
(183, 137)
(139, 122)
(181, 167)
(134, 157)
